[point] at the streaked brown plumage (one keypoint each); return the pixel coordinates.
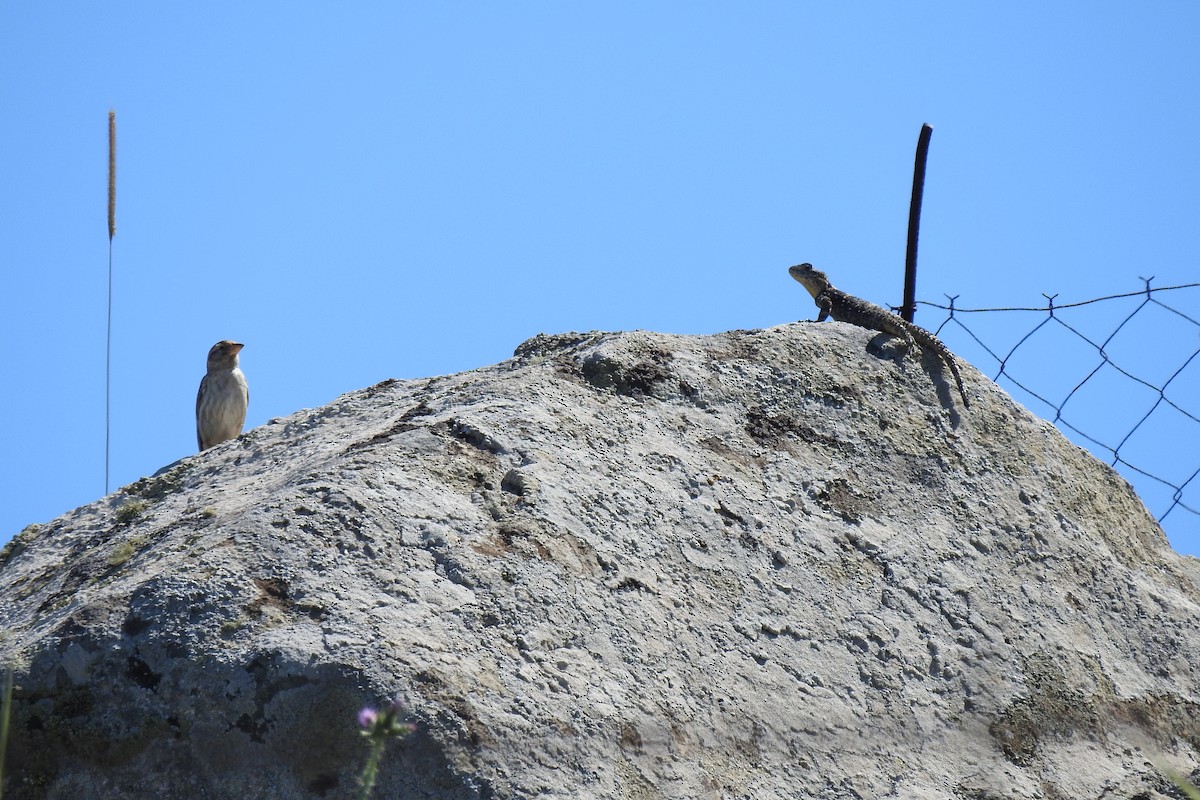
(223, 397)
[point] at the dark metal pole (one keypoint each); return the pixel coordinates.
(914, 224)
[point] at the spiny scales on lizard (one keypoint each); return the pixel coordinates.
(848, 308)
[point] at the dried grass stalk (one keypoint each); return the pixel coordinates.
(112, 174)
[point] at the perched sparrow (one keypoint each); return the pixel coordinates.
(221, 403)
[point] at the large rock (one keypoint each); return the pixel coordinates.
(761, 564)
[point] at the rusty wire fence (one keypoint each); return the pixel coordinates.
(1118, 375)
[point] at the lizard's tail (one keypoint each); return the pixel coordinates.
(958, 380)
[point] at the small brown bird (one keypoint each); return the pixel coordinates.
(223, 397)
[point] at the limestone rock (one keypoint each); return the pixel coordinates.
(760, 564)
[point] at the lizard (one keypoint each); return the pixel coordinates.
(845, 307)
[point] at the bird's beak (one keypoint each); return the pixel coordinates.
(239, 347)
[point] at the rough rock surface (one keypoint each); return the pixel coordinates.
(760, 564)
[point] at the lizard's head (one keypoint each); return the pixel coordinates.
(812, 279)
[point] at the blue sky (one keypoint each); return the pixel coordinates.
(400, 190)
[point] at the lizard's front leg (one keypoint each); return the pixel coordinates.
(825, 304)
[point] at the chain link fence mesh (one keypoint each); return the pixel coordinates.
(1119, 375)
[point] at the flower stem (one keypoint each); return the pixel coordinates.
(371, 770)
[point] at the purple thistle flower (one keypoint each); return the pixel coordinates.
(367, 717)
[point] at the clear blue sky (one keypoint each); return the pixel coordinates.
(378, 190)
